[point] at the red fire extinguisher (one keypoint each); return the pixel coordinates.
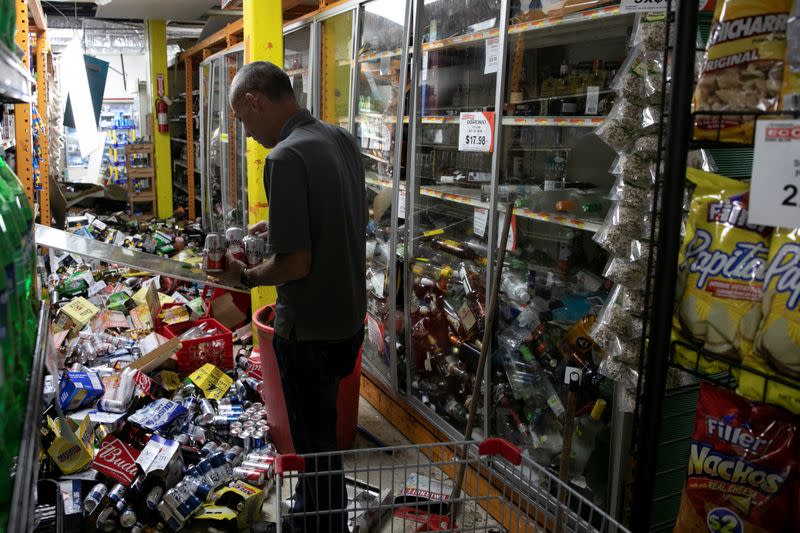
(161, 113)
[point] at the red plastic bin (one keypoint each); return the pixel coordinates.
(216, 349)
(272, 391)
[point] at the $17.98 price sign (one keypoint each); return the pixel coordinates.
(775, 187)
(476, 131)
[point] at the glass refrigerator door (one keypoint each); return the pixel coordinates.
(555, 172)
(235, 197)
(224, 186)
(297, 63)
(448, 248)
(336, 51)
(380, 64)
(212, 127)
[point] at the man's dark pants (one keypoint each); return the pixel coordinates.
(310, 374)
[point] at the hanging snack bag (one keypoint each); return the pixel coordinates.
(723, 260)
(777, 345)
(742, 466)
(778, 337)
(790, 92)
(742, 68)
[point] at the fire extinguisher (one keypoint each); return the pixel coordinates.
(161, 113)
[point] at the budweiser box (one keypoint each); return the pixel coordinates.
(79, 389)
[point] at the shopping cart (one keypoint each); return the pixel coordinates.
(408, 489)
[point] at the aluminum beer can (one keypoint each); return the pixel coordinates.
(257, 437)
(235, 238)
(94, 497)
(250, 475)
(255, 248)
(214, 253)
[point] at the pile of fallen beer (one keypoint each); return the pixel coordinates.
(154, 415)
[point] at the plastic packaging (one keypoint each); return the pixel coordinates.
(742, 68)
(723, 259)
(650, 31)
(629, 273)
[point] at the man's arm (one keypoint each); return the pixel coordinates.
(278, 269)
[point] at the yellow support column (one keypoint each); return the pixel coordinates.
(157, 38)
(263, 41)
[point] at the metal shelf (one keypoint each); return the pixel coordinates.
(15, 80)
(726, 372)
(464, 199)
(25, 479)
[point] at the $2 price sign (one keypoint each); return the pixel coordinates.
(775, 187)
(476, 132)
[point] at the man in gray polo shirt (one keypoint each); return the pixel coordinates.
(314, 181)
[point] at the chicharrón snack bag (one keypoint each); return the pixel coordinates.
(742, 467)
(742, 68)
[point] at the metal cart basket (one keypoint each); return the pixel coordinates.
(408, 489)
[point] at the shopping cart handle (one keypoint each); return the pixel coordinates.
(289, 463)
(501, 447)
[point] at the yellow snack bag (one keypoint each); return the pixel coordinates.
(778, 337)
(742, 68)
(723, 260)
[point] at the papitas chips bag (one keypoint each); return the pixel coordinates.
(777, 344)
(723, 261)
(778, 338)
(742, 68)
(742, 468)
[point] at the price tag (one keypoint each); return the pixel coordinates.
(641, 6)
(479, 221)
(592, 99)
(550, 5)
(476, 132)
(490, 66)
(775, 187)
(424, 66)
(306, 86)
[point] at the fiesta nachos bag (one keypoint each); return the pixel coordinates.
(722, 266)
(742, 472)
(742, 69)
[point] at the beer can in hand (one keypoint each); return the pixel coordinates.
(214, 253)
(255, 248)
(235, 239)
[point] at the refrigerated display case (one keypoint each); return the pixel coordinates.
(381, 102)
(297, 63)
(448, 254)
(222, 145)
(449, 148)
(555, 171)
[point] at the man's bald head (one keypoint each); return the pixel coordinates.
(262, 98)
(261, 77)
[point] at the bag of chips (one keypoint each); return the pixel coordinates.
(723, 260)
(777, 344)
(778, 337)
(790, 92)
(742, 470)
(742, 69)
